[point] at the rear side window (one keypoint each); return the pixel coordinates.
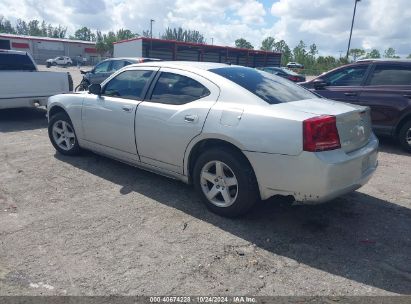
(272, 89)
(391, 75)
(16, 62)
(128, 84)
(102, 67)
(349, 76)
(177, 89)
(116, 65)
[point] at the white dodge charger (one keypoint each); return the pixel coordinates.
(236, 133)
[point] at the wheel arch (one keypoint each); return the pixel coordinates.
(402, 122)
(54, 109)
(207, 143)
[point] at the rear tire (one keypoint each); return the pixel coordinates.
(404, 136)
(225, 181)
(62, 134)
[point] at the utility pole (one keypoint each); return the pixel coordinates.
(212, 41)
(151, 35)
(352, 25)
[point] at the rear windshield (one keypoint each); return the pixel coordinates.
(16, 62)
(271, 88)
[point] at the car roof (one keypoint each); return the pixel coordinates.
(385, 60)
(13, 52)
(185, 64)
(132, 58)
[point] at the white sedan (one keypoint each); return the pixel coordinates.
(236, 133)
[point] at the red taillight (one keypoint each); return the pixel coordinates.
(293, 78)
(320, 134)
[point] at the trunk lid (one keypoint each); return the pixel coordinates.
(353, 121)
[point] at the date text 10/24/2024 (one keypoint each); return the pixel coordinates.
(203, 299)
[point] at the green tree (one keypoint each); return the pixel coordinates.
(243, 44)
(283, 48)
(34, 28)
(299, 52)
(147, 34)
(373, 54)
(356, 53)
(124, 34)
(6, 27)
(85, 34)
(268, 44)
(313, 50)
(21, 27)
(180, 34)
(390, 53)
(409, 56)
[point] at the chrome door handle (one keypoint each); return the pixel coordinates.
(126, 108)
(190, 118)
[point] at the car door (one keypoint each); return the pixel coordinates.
(108, 120)
(344, 84)
(172, 114)
(387, 92)
(101, 72)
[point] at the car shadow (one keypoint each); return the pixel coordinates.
(358, 236)
(12, 120)
(391, 145)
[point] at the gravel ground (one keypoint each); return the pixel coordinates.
(89, 225)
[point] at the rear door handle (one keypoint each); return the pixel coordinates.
(126, 108)
(190, 118)
(350, 94)
(407, 95)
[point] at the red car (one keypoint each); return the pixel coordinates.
(383, 85)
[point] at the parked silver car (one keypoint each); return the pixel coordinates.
(238, 134)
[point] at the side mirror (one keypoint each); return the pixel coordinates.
(319, 84)
(95, 89)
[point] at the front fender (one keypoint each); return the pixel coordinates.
(72, 104)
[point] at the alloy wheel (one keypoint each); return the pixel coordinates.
(63, 135)
(219, 183)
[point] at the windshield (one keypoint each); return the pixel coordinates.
(270, 88)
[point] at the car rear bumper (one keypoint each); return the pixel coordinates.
(314, 177)
(24, 102)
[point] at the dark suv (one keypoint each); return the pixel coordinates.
(383, 85)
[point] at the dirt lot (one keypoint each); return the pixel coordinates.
(89, 225)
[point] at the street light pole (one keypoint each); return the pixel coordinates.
(352, 25)
(151, 35)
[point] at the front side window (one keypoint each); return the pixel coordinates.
(102, 67)
(271, 89)
(349, 76)
(391, 75)
(177, 89)
(128, 84)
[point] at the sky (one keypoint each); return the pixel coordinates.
(379, 23)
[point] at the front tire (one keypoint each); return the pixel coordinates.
(225, 181)
(404, 136)
(62, 134)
